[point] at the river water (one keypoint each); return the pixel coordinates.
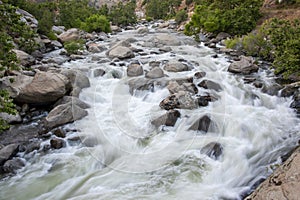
(122, 156)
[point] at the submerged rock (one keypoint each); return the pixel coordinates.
(7, 152)
(57, 143)
(207, 84)
(213, 150)
(168, 119)
(202, 124)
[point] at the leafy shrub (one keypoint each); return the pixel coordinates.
(161, 9)
(73, 47)
(235, 17)
(96, 23)
(181, 16)
(7, 106)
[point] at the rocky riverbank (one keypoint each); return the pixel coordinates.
(47, 95)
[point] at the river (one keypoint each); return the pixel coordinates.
(122, 156)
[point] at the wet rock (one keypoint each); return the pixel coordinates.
(98, 72)
(222, 36)
(283, 184)
(70, 35)
(142, 30)
(57, 143)
(33, 145)
(166, 40)
(154, 64)
(174, 87)
(165, 49)
(244, 66)
(95, 48)
(181, 100)
(115, 29)
(63, 114)
(202, 124)
(73, 100)
(134, 70)
(90, 141)
(121, 52)
(204, 100)
(156, 72)
(168, 119)
(11, 166)
(8, 152)
(176, 67)
(290, 89)
(44, 88)
(207, 84)
(145, 84)
(213, 150)
(77, 78)
(271, 89)
(59, 132)
(296, 102)
(258, 84)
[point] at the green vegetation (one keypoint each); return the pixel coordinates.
(96, 23)
(236, 17)
(161, 9)
(123, 14)
(181, 16)
(276, 41)
(6, 106)
(73, 47)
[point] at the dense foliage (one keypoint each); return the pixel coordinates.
(73, 47)
(181, 16)
(235, 17)
(123, 14)
(6, 106)
(161, 9)
(97, 23)
(277, 41)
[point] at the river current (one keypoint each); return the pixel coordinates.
(121, 155)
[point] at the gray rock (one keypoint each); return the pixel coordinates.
(63, 114)
(34, 145)
(199, 75)
(202, 124)
(11, 166)
(181, 100)
(165, 49)
(70, 35)
(213, 150)
(44, 88)
(154, 73)
(73, 100)
(58, 29)
(168, 119)
(244, 66)
(207, 84)
(25, 59)
(222, 36)
(14, 84)
(142, 30)
(174, 87)
(121, 52)
(296, 102)
(98, 72)
(59, 132)
(57, 143)
(176, 67)
(204, 100)
(145, 84)
(57, 44)
(8, 152)
(9, 118)
(134, 70)
(166, 40)
(77, 78)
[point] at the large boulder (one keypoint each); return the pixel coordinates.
(70, 35)
(176, 67)
(181, 100)
(155, 72)
(63, 114)
(244, 66)
(121, 52)
(44, 88)
(134, 70)
(145, 84)
(283, 184)
(168, 119)
(165, 39)
(72, 100)
(11, 166)
(25, 59)
(201, 124)
(7, 152)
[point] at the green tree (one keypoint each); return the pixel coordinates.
(97, 23)
(123, 14)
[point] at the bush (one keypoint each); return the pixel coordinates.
(97, 23)
(181, 16)
(165, 10)
(73, 47)
(123, 14)
(235, 17)
(7, 106)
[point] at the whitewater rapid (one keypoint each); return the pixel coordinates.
(122, 156)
